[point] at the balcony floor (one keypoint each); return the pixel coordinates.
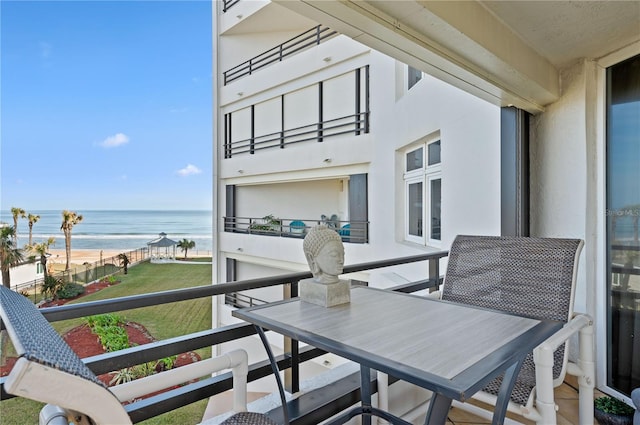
(566, 396)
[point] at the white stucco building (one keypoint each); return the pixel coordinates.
(418, 121)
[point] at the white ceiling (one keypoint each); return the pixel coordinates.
(506, 52)
(563, 31)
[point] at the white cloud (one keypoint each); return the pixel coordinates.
(114, 141)
(189, 170)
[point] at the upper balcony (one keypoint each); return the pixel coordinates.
(327, 121)
(349, 231)
(297, 44)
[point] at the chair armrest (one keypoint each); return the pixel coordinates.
(235, 360)
(578, 322)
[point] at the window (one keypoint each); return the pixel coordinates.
(414, 75)
(623, 224)
(423, 193)
(39, 269)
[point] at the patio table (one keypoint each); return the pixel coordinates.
(451, 349)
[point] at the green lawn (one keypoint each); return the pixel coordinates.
(163, 321)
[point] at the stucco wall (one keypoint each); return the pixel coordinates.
(563, 175)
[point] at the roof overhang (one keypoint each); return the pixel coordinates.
(470, 44)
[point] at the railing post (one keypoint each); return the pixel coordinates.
(292, 374)
(434, 273)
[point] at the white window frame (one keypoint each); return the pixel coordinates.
(425, 175)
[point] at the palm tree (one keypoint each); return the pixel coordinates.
(17, 213)
(124, 261)
(9, 254)
(33, 218)
(41, 249)
(185, 245)
(69, 219)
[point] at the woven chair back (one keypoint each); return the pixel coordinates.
(531, 277)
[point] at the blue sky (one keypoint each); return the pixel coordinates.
(105, 105)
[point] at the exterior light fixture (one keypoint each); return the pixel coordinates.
(327, 160)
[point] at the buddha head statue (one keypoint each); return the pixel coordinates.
(325, 254)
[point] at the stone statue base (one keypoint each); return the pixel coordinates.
(325, 294)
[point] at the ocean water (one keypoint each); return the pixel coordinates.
(115, 229)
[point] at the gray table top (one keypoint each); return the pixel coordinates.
(449, 348)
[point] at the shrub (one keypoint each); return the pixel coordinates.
(122, 376)
(70, 290)
(165, 363)
(108, 327)
(51, 286)
(613, 405)
(104, 320)
(144, 369)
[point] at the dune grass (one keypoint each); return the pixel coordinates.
(163, 321)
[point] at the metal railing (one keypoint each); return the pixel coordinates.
(238, 300)
(355, 124)
(88, 272)
(290, 362)
(301, 42)
(228, 4)
(349, 230)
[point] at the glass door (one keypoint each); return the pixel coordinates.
(623, 215)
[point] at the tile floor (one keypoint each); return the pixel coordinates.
(566, 396)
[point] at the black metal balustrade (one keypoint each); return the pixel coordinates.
(228, 4)
(238, 300)
(317, 129)
(297, 44)
(313, 409)
(350, 231)
(355, 124)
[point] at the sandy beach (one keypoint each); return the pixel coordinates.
(80, 256)
(58, 257)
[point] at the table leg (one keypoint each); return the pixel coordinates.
(365, 393)
(276, 372)
(438, 410)
(508, 381)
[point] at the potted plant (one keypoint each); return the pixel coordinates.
(267, 225)
(612, 411)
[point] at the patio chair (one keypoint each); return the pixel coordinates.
(532, 277)
(48, 371)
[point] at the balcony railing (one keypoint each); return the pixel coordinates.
(297, 44)
(350, 124)
(228, 4)
(310, 408)
(350, 231)
(239, 300)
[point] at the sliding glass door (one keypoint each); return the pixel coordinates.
(623, 215)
